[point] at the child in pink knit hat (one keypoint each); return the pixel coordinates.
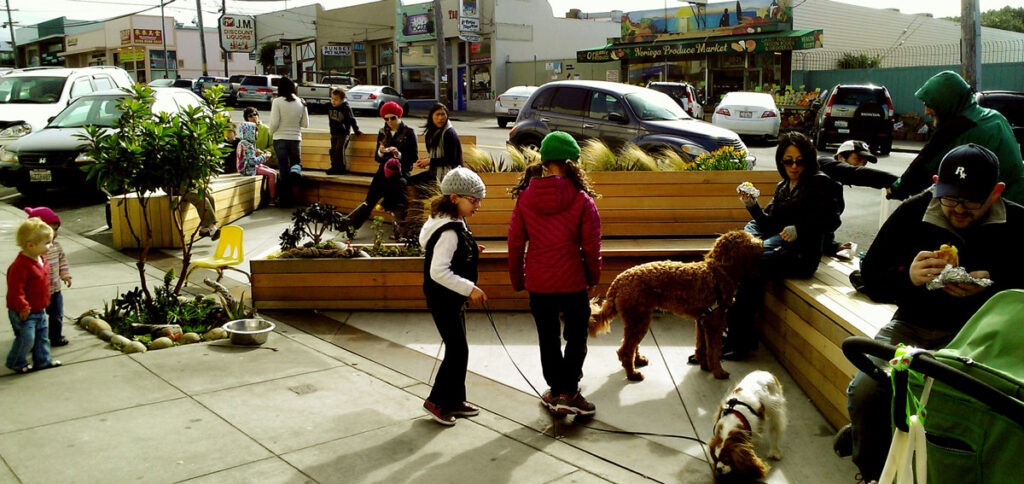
(60, 270)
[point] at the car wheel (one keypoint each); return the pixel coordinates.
(531, 142)
(884, 148)
(819, 141)
(502, 122)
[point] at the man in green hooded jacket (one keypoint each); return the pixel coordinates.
(960, 120)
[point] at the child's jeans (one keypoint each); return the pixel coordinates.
(56, 313)
(30, 335)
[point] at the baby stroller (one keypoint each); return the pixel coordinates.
(973, 419)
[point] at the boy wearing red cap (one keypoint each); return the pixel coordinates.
(28, 295)
(394, 140)
(60, 270)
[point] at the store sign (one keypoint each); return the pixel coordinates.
(126, 36)
(810, 40)
(713, 19)
(147, 36)
(416, 22)
(469, 24)
(468, 9)
(72, 42)
(337, 50)
(132, 55)
(358, 47)
(471, 38)
(237, 33)
(387, 55)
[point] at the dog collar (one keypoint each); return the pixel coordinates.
(709, 311)
(730, 407)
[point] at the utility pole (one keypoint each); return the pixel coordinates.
(202, 35)
(970, 42)
(223, 12)
(442, 61)
(14, 42)
(163, 36)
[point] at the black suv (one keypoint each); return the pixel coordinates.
(618, 114)
(1011, 105)
(862, 112)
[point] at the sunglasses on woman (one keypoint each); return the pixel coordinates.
(390, 118)
(793, 162)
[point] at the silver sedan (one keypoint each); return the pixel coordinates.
(371, 98)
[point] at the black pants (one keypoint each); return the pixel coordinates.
(288, 153)
(450, 383)
(338, 142)
(562, 372)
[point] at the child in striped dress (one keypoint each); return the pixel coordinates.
(60, 270)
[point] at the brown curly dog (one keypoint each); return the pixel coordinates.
(700, 290)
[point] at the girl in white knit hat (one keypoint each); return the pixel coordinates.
(449, 280)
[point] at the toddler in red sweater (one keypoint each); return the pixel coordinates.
(28, 295)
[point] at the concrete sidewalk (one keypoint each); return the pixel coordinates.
(336, 397)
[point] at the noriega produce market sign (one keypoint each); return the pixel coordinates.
(795, 40)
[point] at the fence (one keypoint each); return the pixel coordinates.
(992, 52)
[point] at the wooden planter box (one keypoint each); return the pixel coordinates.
(397, 282)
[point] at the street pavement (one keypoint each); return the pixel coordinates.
(336, 397)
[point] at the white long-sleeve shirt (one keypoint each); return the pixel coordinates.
(287, 118)
(441, 264)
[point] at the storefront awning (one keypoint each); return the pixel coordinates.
(733, 44)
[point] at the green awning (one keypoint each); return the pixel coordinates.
(732, 44)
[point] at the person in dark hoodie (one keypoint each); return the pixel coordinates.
(555, 212)
(449, 280)
(340, 119)
(443, 146)
(964, 209)
(849, 167)
(960, 120)
(394, 140)
(806, 206)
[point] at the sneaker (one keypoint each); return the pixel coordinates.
(53, 364)
(62, 341)
(575, 404)
(551, 401)
(440, 416)
(466, 409)
(23, 370)
(842, 443)
(215, 233)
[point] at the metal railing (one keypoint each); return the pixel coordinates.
(992, 52)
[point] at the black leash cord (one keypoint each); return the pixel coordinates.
(490, 318)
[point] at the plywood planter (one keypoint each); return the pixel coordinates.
(644, 203)
(397, 282)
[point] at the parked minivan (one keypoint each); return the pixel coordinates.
(257, 89)
(618, 114)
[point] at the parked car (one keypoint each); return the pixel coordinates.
(182, 83)
(206, 82)
(1011, 105)
(862, 111)
(257, 89)
(618, 114)
(683, 94)
(321, 93)
(508, 104)
(53, 157)
(371, 98)
(235, 81)
(31, 96)
(750, 113)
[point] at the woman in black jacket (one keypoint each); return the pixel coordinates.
(443, 147)
(805, 207)
(394, 140)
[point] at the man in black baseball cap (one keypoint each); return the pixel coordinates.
(964, 209)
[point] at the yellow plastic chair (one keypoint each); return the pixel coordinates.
(229, 253)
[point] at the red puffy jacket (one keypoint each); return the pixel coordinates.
(564, 230)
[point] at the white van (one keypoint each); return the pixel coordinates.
(29, 97)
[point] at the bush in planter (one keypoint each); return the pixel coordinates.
(725, 158)
(306, 237)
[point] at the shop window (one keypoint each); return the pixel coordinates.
(480, 52)
(418, 55)
(601, 105)
(418, 83)
(480, 76)
(569, 100)
(360, 58)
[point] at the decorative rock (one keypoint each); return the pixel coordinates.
(161, 343)
(97, 325)
(105, 335)
(215, 333)
(118, 340)
(86, 320)
(188, 338)
(134, 347)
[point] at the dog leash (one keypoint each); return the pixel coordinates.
(703, 444)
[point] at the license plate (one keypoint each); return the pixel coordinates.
(844, 131)
(841, 124)
(40, 176)
(513, 112)
(357, 96)
(746, 114)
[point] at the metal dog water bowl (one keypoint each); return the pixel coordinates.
(249, 332)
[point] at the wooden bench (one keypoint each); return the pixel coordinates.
(397, 283)
(804, 323)
(234, 197)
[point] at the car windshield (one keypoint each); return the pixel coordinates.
(31, 90)
(654, 106)
(254, 81)
(675, 90)
(855, 96)
(98, 110)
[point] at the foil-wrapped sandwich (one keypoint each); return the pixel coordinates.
(748, 189)
(953, 273)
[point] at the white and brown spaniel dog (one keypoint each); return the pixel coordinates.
(755, 407)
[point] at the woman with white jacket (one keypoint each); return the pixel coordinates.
(288, 116)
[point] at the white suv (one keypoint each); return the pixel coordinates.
(30, 97)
